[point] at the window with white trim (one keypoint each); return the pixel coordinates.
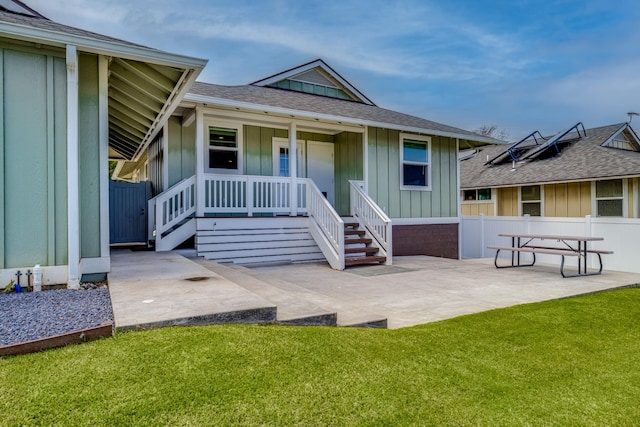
(223, 149)
(531, 200)
(610, 198)
(415, 161)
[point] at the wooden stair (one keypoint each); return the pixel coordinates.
(357, 247)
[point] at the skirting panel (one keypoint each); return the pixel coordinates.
(440, 240)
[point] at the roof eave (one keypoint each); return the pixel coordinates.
(223, 102)
(101, 47)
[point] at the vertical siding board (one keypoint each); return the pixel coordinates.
(188, 151)
(585, 198)
(50, 146)
(383, 166)
(60, 161)
(549, 200)
(25, 159)
(394, 209)
(251, 148)
(453, 178)
(89, 156)
(266, 151)
(174, 145)
(373, 160)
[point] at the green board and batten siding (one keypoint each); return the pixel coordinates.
(182, 151)
(89, 156)
(33, 186)
(33, 156)
(348, 165)
(384, 177)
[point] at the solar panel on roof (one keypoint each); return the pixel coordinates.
(15, 7)
(553, 142)
(514, 151)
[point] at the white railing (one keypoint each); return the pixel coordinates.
(326, 226)
(172, 207)
(372, 218)
(620, 236)
(249, 194)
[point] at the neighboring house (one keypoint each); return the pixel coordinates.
(225, 158)
(575, 173)
(70, 100)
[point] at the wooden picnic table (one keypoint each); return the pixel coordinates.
(550, 244)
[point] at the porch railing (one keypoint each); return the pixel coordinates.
(372, 218)
(326, 226)
(248, 194)
(171, 209)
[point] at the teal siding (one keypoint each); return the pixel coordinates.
(348, 155)
(385, 184)
(32, 159)
(89, 155)
(182, 155)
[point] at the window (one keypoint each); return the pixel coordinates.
(531, 200)
(479, 194)
(609, 198)
(416, 171)
(223, 148)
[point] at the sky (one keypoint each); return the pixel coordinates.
(517, 64)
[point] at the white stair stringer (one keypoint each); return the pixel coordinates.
(177, 236)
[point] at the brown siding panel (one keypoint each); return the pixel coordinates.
(440, 240)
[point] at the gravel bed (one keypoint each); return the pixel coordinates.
(30, 316)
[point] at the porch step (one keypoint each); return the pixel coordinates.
(374, 259)
(366, 249)
(352, 228)
(296, 304)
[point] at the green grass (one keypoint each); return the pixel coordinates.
(569, 362)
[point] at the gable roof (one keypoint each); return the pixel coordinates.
(582, 158)
(145, 84)
(318, 73)
(304, 105)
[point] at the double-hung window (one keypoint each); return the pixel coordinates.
(223, 149)
(531, 198)
(609, 198)
(415, 161)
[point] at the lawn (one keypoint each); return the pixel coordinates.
(568, 362)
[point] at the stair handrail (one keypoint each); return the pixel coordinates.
(173, 206)
(329, 224)
(377, 223)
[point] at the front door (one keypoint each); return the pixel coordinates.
(320, 167)
(281, 162)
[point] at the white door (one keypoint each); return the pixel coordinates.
(320, 167)
(281, 157)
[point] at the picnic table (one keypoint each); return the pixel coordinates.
(565, 246)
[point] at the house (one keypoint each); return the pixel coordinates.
(71, 100)
(267, 172)
(575, 173)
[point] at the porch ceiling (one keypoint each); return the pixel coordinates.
(139, 95)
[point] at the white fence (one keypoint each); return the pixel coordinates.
(621, 235)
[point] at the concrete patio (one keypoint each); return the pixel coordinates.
(154, 289)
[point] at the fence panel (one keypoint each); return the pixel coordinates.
(620, 236)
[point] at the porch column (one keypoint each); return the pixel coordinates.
(293, 168)
(73, 189)
(200, 162)
(103, 107)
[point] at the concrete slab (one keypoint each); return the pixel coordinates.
(419, 289)
(151, 289)
(154, 289)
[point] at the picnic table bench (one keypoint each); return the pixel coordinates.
(569, 246)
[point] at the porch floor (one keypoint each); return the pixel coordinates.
(154, 289)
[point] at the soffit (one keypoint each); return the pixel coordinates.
(138, 93)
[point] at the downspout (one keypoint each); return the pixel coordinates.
(459, 205)
(73, 189)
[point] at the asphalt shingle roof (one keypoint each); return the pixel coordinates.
(583, 159)
(46, 24)
(280, 98)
